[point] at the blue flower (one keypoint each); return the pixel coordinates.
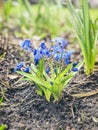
(27, 69)
(18, 67)
(47, 53)
(42, 45)
(64, 43)
(55, 70)
(68, 54)
(75, 63)
(57, 57)
(48, 70)
(36, 60)
(67, 61)
(58, 49)
(60, 41)
(44, 52)
(37, 56)
(74, 69)
(35, 51)
(51, 83)
(67, 57)
(26, 44)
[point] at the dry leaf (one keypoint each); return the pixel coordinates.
(12, 76)
(95, 119)
(86, 94)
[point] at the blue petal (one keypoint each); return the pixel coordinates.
(18, 67)
(75, 63)
(75, 69)
(35, 52)
(64, 42)
(42, 45)
(57, 56)
(68, 54)
(27, 69)
(48, 70)
(55, 70)
(20, 64)
(36, 60)
(26, 44)
(60, 41)
(51, 83)
(47, 53)
(37, 57)
(67, 61)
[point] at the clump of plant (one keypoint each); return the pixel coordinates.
(86, 31)
(51, 68)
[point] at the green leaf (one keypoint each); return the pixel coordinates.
(32, 78)
(66, 78)
(86, 32)
(33, 68)
(40, 81)
(39, 90)
(40, 67)
(47, 94)
(3, 127)
(28, 7)
(76, 18)
(53, 75)
(65, 71)
(1, 99)
(86, 21)
(47, 78)
(63, 81)
(56, 91)
(7, 8)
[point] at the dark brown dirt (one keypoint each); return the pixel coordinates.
(23, 109)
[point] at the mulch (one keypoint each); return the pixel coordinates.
(23, 109)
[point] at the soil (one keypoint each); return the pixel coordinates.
(23, 109)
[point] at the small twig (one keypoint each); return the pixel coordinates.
(31, 101)
(72, 110)
(4, 83)
(83, 82)
(21, 84)
(5, 104)
(85, 94)
(26, 97)
(18, 81)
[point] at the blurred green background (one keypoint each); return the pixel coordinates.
(41, 19)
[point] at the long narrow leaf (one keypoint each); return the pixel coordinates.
(63, 72)
(40, 67)
(86, 21)
(32, 78)
(86, 32)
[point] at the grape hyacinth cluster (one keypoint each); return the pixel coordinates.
(51, 68)
(56, 53)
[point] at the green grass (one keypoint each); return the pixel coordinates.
(86, 30)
